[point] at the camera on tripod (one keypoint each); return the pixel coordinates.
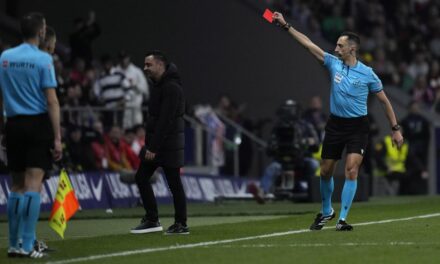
(288, 145)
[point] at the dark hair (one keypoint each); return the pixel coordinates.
(158, 55)
(123, 54)
(31, 24)
(352, 37)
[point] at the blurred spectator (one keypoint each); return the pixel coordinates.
(436, 105)
(88, 84)
(61, 76)
(315, 116)
(140, 134)
(383, 67)
(119, 155)
(133, 113)
(215, 147)
(404, 80)
(111, 90)
(97, 142)
(81, 39)
(77, 73)
(419, 67)
(422, 93)
(79, 154)
(72, 101)
(131, 140)
(223, 105)
(416, 130)
(369, 151)
(391, 161)
(434, 76)
(434, 45)
(226, 108)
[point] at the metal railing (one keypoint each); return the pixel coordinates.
(243, 130)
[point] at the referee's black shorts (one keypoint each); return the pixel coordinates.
(29, 139)
(340, 132)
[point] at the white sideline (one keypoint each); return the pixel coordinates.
(226, 241)
(304, 245)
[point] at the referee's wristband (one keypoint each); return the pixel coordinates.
(396, 127)
(286, 26)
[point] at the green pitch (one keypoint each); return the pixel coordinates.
(386, 230)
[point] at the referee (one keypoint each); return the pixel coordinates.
(32, 129)
(347, 127)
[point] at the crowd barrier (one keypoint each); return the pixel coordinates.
(105, 190)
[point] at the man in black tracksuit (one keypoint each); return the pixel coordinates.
(164, 144)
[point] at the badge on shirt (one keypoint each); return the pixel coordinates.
(338, 78)
(357, 83)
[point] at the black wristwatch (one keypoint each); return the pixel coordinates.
(396, 127)
(286, 26)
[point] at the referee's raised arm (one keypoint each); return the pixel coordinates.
(300, 37)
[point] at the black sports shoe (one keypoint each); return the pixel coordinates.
(343, 226)
(177, 229)
(321, 220)
(146, 226)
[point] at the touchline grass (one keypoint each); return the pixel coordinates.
(244, 232)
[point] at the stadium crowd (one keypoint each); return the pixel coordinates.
(400, 39)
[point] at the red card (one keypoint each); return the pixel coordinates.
(268, 15)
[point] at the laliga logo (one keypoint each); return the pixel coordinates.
(5, 64)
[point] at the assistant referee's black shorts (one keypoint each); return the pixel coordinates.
(28, 142)
(340, 133)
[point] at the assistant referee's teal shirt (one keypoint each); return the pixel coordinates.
(25, 71)
(350, 87)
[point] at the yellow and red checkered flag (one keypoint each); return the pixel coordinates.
(64, 206)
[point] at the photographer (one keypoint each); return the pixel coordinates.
(291, 144)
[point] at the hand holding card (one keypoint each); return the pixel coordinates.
(275, 17)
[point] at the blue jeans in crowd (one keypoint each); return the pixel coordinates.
(274, 170)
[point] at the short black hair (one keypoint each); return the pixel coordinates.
(352, 37)
(158, 55)
(123, 54)
(31, 24)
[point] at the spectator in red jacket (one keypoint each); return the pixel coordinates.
(119, 154)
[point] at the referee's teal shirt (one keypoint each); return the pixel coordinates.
(350, 87)
(25, 71)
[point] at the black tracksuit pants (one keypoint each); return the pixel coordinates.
(143, 176)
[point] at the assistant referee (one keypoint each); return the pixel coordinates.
(32, 129)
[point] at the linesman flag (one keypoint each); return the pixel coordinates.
(64, 206)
